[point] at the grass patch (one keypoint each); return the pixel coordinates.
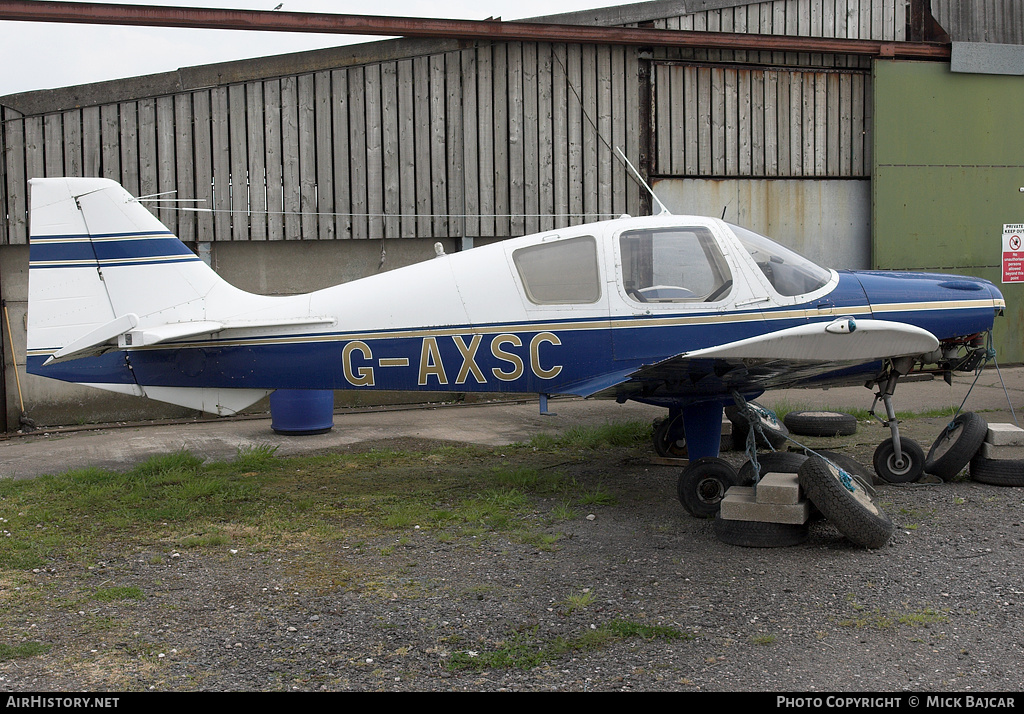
(878, 620)
(783, 407)
(22, 651)
(259, 499)
(527, 649)
(631, 433)
(118, 593)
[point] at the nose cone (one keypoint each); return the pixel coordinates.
(948, 306)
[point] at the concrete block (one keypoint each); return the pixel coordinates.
(1002, 434)
(739, 504)
(778, 488)
(994, 451)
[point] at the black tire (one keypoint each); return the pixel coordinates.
(890, 471)
(703, 483)
(664, 444)
(849, 464)
(772, 429)
(956, 445)
(757, 534)
(812, 423)
(845, 503)
(998, 472)
(786, 462)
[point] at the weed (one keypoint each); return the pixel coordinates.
(579, 601)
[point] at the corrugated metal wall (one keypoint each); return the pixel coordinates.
(945, 182)
(998, 21)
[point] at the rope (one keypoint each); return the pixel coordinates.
(751, 414)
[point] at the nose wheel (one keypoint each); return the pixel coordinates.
(903, 467)
(896, 460)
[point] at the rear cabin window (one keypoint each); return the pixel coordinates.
(673, 265)
(560, 272)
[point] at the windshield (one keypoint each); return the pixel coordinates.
(789, 272)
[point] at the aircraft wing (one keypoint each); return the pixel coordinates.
(811, 353)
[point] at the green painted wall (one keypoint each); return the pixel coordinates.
(948, 165)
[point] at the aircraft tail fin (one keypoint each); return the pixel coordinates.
(99, 262)
(105, 274)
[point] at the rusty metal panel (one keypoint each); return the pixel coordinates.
(829, 221)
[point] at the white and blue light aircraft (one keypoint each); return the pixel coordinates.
(684, 312)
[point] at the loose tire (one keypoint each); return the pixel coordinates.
(852, 467)
(786, 462)
(703, 483)
(664, 443)
(998, 472)
(845, 503)
(812, 423)
(956, 445)
(772, 429)
(892, 471)
(757, 534)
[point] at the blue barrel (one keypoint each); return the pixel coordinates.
(300, 412)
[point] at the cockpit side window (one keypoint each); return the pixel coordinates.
(790, 273)
(560, 272)
(673, 265)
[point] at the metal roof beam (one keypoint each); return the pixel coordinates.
(271, 21)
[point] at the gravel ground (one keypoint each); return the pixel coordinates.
(937, 609)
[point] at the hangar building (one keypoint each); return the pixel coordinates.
(863, 133)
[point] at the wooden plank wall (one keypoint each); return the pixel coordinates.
(718, 121)
(493, 140)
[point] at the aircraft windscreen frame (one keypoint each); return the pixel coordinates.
(789, 273)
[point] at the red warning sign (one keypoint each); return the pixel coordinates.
(1013, 253)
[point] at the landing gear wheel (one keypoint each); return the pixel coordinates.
(772, 429)
(757, 534)
(703, 483)
(956, 445)
(669, 438)
(845, 503)
(998, 472)
(905, 470)
(811, 423)
(786, 462)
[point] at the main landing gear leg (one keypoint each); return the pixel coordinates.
(703, 483)
(896, 460)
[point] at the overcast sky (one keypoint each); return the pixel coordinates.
(45, 55)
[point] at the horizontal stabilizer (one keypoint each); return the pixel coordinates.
(120, 333)
(172, 331)
(95, 342)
